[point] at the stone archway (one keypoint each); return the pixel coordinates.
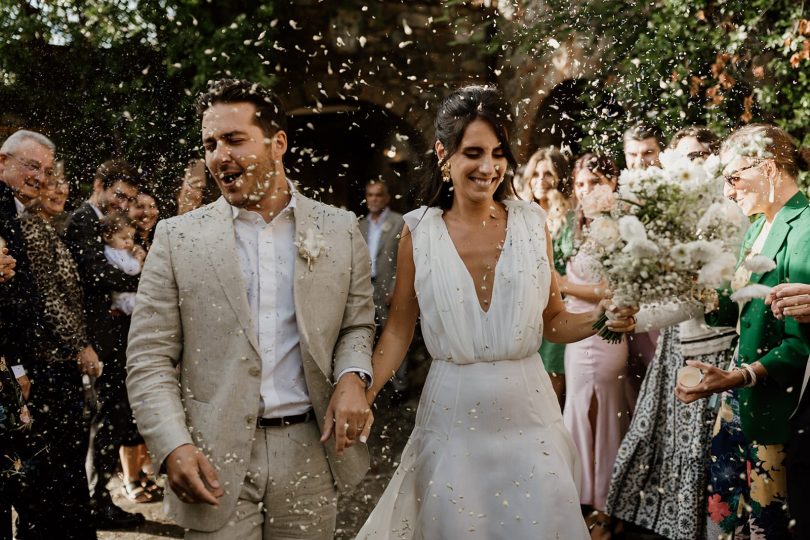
(336, 148)
(535, 84)
(555, 122)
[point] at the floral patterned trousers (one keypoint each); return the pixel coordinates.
(747, 482)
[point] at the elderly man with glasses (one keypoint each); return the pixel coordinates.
(42, 340)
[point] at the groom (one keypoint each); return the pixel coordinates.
(251, 339)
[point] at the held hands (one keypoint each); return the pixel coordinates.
(7, 264)
(715, 380)
(619, 319)
(348, 415)
(88, 362)
(790, 300)
(191, 476)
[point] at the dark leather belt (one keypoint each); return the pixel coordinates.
(286, 420)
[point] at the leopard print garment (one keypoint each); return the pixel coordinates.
(57, 279)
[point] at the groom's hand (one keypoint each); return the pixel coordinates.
(191, 476)
(347, 415)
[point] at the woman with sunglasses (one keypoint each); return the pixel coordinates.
(747, 491)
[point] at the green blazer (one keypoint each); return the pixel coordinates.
(781, 346)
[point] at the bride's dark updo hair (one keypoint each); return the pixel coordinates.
(455, 113)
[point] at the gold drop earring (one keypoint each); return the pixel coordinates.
(771, 193)
(445, 168)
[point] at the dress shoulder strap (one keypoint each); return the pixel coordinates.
(421, 217)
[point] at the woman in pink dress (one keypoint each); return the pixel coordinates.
(597, 407)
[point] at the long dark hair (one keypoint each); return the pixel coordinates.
(455, 113)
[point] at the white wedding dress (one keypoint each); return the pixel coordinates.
(489, 456)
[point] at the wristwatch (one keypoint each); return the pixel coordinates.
(363, 377)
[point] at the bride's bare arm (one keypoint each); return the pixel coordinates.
(590, 292)
(402, 315)
(561, 326)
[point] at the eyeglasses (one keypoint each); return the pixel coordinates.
(54, 182)
(733, 178)
(121, 197)
(33, 166)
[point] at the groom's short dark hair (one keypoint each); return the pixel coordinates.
(270, 113)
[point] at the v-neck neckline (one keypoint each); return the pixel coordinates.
(496, 273)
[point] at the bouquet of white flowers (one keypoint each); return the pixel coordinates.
(667, 234)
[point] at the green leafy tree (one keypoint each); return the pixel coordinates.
(677, 62)
(117, 78)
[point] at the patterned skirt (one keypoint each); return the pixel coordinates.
(661, 471)
(748, 482)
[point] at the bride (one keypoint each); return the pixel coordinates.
(489, 456)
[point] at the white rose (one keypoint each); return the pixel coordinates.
(630, 229)
(604, 232)
(641, 248)
(671, 159)
(712, 166)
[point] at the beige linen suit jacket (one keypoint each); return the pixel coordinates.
(386, 260)
(194, 369)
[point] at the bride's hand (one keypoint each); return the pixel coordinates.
(367, 426)
(620, 319)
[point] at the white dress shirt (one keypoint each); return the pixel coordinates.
(267, 256)
(375, 230)
(19, 206)
(267, 259)
(96, 209)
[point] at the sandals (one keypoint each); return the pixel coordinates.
(597, 520)
(151, 487)
(135, 492)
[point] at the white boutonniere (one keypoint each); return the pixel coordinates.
(310, 245)
(386, 227)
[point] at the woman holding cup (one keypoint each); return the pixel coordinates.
(748, 483)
